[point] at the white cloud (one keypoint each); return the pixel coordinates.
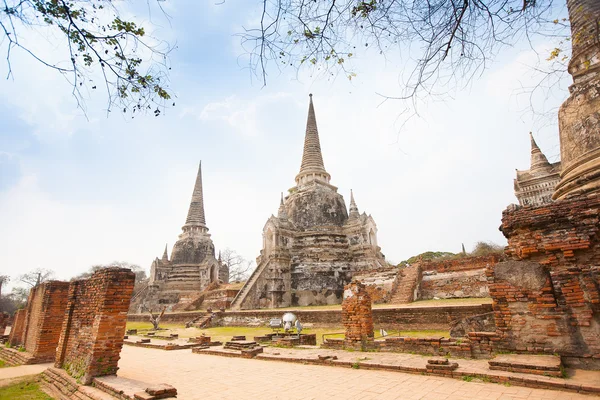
(243, 115)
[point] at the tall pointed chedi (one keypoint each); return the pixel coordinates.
(195, 217)
(312, 166)
(311, 249)
(535, 186)
(192, 266)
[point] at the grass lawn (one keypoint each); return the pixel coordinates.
(224, 333)
(25, 390)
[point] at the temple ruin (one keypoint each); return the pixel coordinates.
(535, 186)
(192, 266)
(313, 247)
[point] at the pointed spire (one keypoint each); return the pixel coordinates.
(312, 160)
(464, 252)
(165, 256)
(281, 214)
(219, 256)
(538, 159)
(353, 208)
(195, 215)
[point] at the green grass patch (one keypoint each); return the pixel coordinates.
(3, 364)
(24, 390)
(425, 333)
(224, 333)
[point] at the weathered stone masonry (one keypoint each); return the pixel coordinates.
(94, 325)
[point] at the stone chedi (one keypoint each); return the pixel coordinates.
(579, 115)
(193, 265)
(535, 186)
(312, 248)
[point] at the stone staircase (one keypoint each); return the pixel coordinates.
(200, 322)
(187, 298)
(241, 296)
(408, 281)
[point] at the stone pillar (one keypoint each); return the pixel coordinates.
(357, 317)
(579, 115)
(93, 329)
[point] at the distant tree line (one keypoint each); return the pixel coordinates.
(480, 249)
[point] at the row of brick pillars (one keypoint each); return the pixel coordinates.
(80, 325)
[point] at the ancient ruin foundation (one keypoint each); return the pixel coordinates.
(94, 325)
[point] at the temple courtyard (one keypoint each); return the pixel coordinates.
(214, 377)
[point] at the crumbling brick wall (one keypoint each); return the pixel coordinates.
(4, 321)
(459, 264)
(18, 328)
(38, 326)
(357, 317)
(45, 311)
(550, 304)
(452, 285)
(94, 325)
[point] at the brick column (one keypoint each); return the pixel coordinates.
(94, 325)
(18, 327)
(357, 317)
(37, 327)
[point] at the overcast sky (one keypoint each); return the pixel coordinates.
(75, 192)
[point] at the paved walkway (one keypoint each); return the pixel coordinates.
(200, 376)
(23, 370)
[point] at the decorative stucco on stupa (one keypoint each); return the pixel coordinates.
(313, 247)
(192, 266)
(535, 186)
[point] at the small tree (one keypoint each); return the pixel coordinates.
(4, 279)
(35, 277)
(239, 267)
(155, 318)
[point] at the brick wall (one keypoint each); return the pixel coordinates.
(449, 285)
(4, 321)
(94, 325)
(45, 311)
(409, 318)
(357, 317)
(551, 303)
(459, 264)
(18, 328)
(38, 326)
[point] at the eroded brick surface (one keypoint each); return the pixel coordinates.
(38, 326)
(548, 299)
(357, 317)
(94, 325)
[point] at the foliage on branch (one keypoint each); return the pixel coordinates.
(448, 40)
(97, 42)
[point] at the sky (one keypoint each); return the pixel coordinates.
(78, 189)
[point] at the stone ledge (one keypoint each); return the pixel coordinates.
(14, 357)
